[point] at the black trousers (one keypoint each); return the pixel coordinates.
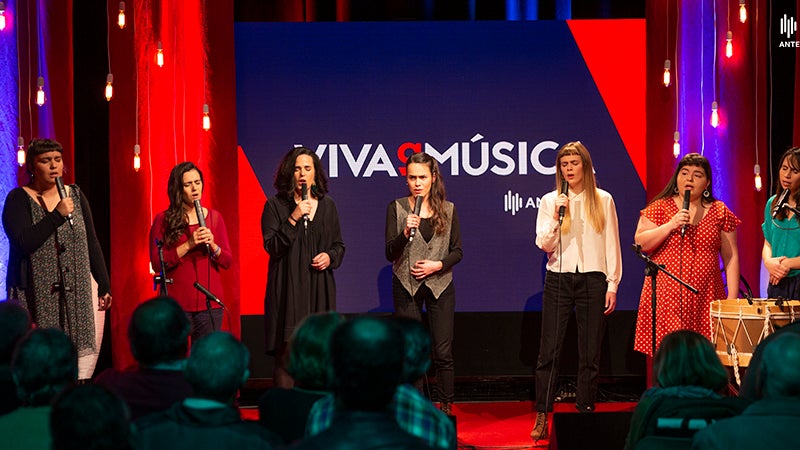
(201, 322)
(585, 293)
(441, 314)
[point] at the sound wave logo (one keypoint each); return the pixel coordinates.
(513, 202)
(788, 26)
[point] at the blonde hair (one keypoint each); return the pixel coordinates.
(592, 207)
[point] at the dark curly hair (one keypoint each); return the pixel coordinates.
(284, 178)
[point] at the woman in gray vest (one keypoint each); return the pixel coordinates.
(423, 242)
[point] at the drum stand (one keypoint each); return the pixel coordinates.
(651, 270)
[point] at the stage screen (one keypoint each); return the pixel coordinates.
(491, 101)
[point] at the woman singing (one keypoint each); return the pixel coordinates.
(781, 227)
(689, 242)
(423, 249)
(584, 268)
(300, 226)
(54, 253)
(191, 253)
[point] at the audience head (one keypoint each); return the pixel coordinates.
(14, 323)
(90, 417)
(418, 348)
(285, 182)
(779, 375)
(367, 355)
(687, 358)
(217, 367)
(310, 350)
(44, 363)
(159, 332)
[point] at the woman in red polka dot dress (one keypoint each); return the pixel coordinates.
(693, 256)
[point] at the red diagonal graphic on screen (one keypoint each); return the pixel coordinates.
(614, 52)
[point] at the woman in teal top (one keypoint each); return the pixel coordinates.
(781, 227)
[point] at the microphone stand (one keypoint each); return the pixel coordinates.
(651, 270)
(160, 280)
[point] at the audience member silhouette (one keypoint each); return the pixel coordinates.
(44, 363)
(285, 411)
(90, 417)
(367, 355)
(14, 323)
(413, 412)
(750, 388)
(686, 374)
(772, 421)
(216, 369)
(158, 334)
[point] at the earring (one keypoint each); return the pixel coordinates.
(675, 190)
(706, 194)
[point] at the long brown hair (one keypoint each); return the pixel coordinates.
(176, 218)
(593, 209)
(792, 158)
(437, 196)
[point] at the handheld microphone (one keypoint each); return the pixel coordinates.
(417, 209)
(208, 294)
(563, 209)
(62, 194)
(201, 220)
(687, 195)
(781, 202)
(304, 196)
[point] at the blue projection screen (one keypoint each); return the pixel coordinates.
(491, 101)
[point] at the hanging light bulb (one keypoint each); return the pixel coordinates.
(742, 11)
(160, 55)
(676, 145)
(121, 16)
(757, 171)
(21, 151)
(2, 16)
(206, 119)
(137, 160)
(714, 115)
(729, 44)
(667, 78)
(40, 91)
(109, 87)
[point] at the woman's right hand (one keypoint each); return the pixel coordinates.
(412, 221)
(561, 200)
(302, 209)
(65, 206)
(680, 219)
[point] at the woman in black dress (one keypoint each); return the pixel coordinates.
(300, 227)
(54, 253)
(423, 248)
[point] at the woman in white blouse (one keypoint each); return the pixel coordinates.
(577, 227)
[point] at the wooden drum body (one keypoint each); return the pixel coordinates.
(737, 327)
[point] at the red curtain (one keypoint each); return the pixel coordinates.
(44, 37)
(161, 109)
(740, 81)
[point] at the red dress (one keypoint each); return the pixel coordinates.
(694, 259)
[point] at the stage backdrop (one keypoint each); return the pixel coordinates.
(491, 101)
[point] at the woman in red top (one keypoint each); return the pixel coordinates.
(191, 253)
(689, 242)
